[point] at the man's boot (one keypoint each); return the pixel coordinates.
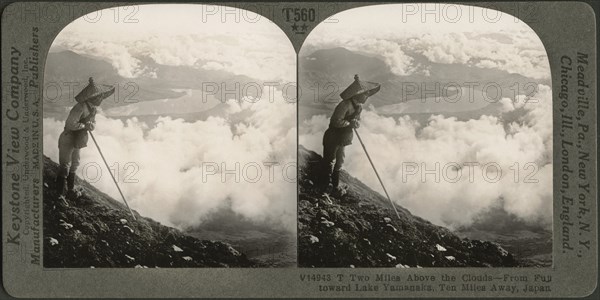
(71, 192)
(323, 177)
(71, 181)
(335, 179)
(338, 191)
(61, 185)
(61, 182)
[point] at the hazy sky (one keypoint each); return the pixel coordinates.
(233, 40)
(421, 18)
(480, 37)
(157, 19)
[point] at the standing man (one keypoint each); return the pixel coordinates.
(345, 118)
(81, 119)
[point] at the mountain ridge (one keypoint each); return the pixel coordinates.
(66, 72)
(324, 73)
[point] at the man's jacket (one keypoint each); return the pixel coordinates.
(340, 131)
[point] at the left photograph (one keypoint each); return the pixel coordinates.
(169, 137)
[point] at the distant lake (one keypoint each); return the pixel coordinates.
(466, 100)
(192, 102)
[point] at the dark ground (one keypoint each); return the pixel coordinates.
(361, 229)
(95, 230)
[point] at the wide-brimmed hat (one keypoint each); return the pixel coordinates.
(360, 87)
(94, 91)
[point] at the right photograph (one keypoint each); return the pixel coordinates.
(425, 140)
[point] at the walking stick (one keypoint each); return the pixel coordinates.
(111, 174)
(376, 173)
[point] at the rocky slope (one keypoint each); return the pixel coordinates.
(361, 229)
(529, 241)
(95, 230)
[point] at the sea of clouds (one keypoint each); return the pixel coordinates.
(179, 164)
(254, 55)
(524, 54)
(399, 144)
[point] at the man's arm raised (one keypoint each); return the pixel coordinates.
(72, 122)
(337, 119)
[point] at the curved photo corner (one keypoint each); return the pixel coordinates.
(425, 140)
(197, 131)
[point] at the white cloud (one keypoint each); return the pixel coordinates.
(507, 104)
(118, 55)
(399, 62)
(486, 63)
(213, 65)
(394, 144)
